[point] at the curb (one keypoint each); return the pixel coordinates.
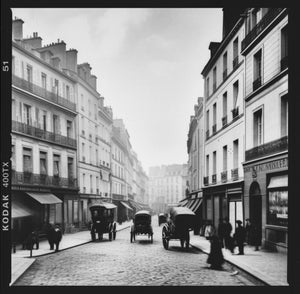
(235, 265)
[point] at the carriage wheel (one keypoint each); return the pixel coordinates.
(164, 238)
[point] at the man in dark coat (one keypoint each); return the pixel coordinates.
(240, 237)
(227, 235)
(221, 232)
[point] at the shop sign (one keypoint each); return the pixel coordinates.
(276, 164)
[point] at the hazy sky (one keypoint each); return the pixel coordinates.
(148, 63)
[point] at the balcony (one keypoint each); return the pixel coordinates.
(257, 83)
(284, 63)
(258, 28)
(205, 181)
(214, 179)
(235, 112)
(214, 129)
(207, 134)
(224, 120)
(224, 176)
(43, 135)
(42, 92)
(270, 148)
(29, 178)
(235, 174)
(235, 63)
(224, 74)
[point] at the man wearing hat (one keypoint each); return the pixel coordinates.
(240, 237)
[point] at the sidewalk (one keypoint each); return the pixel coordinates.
(21, 260)
(270, 267)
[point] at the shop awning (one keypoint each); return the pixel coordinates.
(278, 181)
(183, 202)
(126, 205)
(106, 205)
(18, 210)
(45, 198)
(197, 202)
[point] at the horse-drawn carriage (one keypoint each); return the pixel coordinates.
(141, 225)
(103, 221)
(178, 226)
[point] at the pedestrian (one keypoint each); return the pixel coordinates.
(221, 231)
(240, 236)
(227, 236)
(215, 257)
(209, 230)
(249, 229)
(256, 240)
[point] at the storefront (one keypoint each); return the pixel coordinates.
(266, 200)
(223, 201)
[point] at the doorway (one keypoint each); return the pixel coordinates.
(256, 208)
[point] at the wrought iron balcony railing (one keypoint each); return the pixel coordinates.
(224, 120)
(205, 181)
(42, 92)
(224, 176)
(29, 178)
(43, 135)
(260, 26)
(256, 83)
(270, 148)
(235, 174)
(214, 179)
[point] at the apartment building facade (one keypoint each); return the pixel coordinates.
(265, 49)
(44, 146)
(223, 75)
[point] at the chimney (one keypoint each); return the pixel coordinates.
(58, 50)
(17, 29)
(34, 42)
(71, 59)
(213, 47)
(93, 82)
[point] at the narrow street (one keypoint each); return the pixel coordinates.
(123, 263)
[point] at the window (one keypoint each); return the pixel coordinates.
(56, 165)
(235, 154)
(43, 163)
(224, 65)
(69, 128)
(55, 87)
(214, 78)
(207, 123)
(214, 162)
(83, 182)
(235, 53)
(90, 154)
(91, 183)
(207, 87)
(82, 102)
(44, 80)
(70, 167)
(67, 92)
(284, 115)
(235, 93)
(13, 108)
(214, 117)
(29, 73)
(27, 114)
(257, 70)
(224, 119)
(44, 120)
(13, 157)
(55, 124)
(27, 160)
(225, 158)
(284, 48)
(37, 117)
(257, 128)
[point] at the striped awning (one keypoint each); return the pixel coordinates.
(196, 204)
(183, 202)
(192, 204)
(45, 198)
(126, 205)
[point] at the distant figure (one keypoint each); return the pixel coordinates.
(227, 236)
(252, 234)
(248, 228)
(31, 240)
(240, 237)
(221, 232)
(54, 236)
(215, 257)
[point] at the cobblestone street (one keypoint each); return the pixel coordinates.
(123, 263)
